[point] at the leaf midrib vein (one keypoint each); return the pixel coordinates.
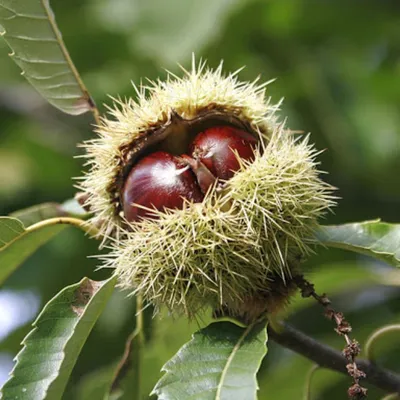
(230, 360)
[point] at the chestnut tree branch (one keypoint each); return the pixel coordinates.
(327, 357)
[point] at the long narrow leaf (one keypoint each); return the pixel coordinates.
(30, 29)
(51, 349)
(220, 362)
(373, 238)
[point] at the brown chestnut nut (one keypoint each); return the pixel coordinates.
(158, 181)
(216, 147)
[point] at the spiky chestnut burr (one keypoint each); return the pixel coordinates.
(238, 248)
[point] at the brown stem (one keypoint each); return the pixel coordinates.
(343, 328)
(327, 357)
(130, 362)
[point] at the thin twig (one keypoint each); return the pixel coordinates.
(327, 357)
(343, 328)
(134, 343)
(89, 229)
(378, 334)
(96, 113)
(307, 385)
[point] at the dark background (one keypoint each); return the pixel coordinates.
(337, 65)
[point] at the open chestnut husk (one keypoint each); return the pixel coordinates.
(232, 209)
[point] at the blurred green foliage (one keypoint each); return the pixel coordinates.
(337, 65)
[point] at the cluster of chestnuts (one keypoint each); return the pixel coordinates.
(161, 180)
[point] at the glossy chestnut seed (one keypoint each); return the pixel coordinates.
(215, 147)
(158, 181)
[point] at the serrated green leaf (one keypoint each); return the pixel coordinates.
(32, 215)
(167, 336)
(220, 362)
(30, 29)
(17, 243)
(51, 349)
(373, 238)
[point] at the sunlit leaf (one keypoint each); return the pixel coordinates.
(30, 29)
(220, 362)
(372, 238)
(51, 349)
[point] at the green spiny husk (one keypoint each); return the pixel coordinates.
(225, 250)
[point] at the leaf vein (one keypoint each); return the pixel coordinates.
(32, 39)
(39, 61)
(22, 15)
(55, 75)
